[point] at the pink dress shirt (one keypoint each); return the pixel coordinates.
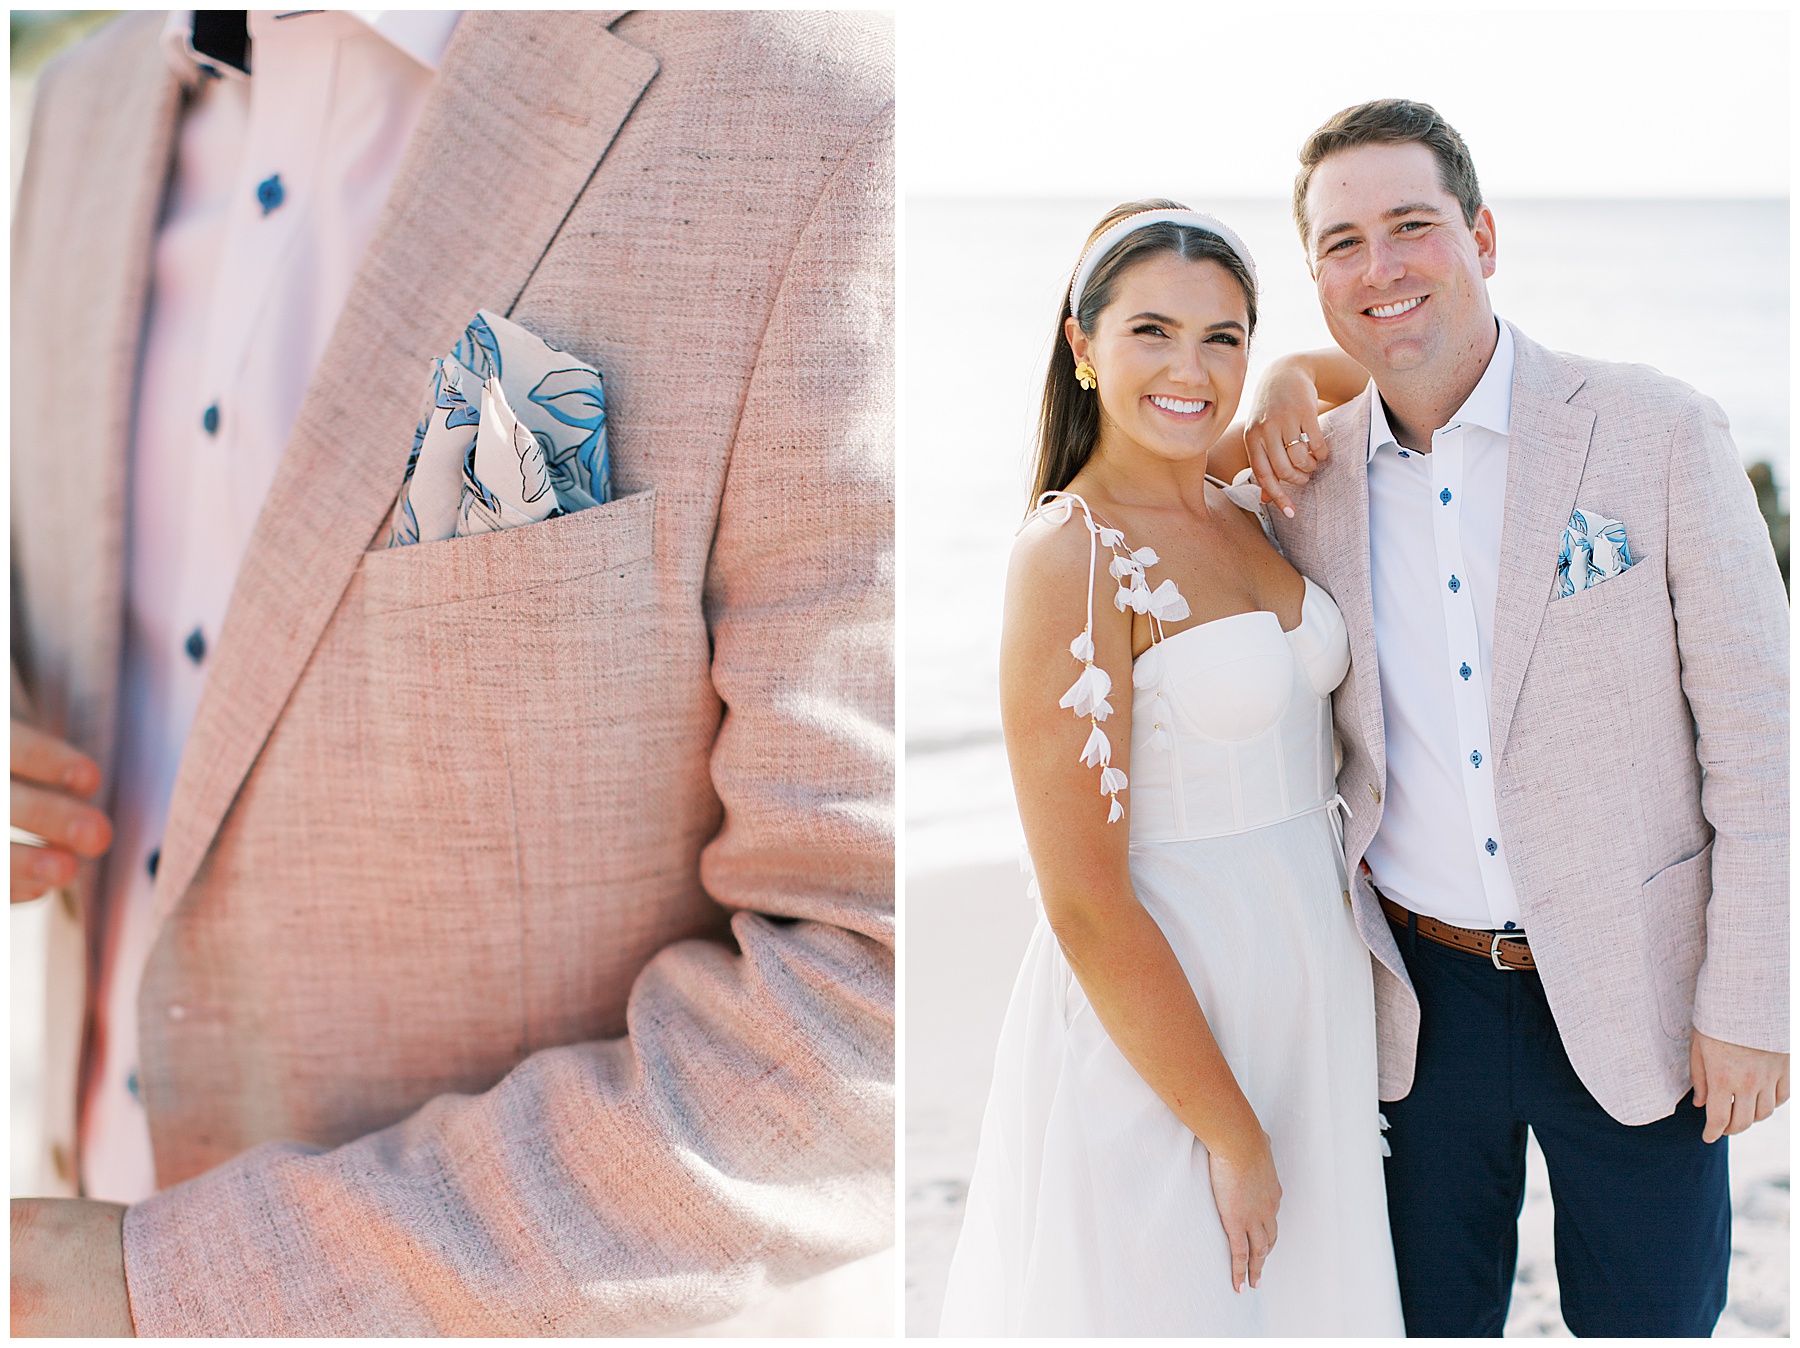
(278, 179)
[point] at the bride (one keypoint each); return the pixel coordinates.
(1183, 1134)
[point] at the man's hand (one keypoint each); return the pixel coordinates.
(50, 779)
(68, 1269)
(1737, 1086)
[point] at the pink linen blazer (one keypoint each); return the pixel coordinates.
(525, 960)
(1640, 728)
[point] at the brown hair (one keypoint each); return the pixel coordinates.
(1392, 121)
(1069, 417)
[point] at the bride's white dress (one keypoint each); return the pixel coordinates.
(1091, 1208)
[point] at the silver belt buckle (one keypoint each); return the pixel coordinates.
(1494, 949)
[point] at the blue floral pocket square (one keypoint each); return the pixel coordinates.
(1593, 550)
(513, 432)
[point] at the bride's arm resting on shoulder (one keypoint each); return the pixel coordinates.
(1117, 952)
(1297, 389)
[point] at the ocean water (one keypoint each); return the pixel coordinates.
(1698, 289)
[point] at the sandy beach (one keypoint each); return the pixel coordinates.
(966, 930)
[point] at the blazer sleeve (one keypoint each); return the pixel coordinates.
(1731, 624)
(741, 1135)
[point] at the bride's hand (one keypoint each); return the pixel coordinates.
(1281, 434)
(1247, 1194)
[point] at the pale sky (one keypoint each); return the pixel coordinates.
(1116, 101)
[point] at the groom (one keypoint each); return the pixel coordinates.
(1570, 839)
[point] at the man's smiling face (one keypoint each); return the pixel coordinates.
(1401, 278)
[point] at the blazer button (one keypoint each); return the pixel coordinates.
(1374, 793)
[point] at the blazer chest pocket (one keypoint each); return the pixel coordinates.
(1609, 596)
(1592, 643)
(602, 538)
(518, 645)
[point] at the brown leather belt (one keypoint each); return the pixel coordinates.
(1504, 948)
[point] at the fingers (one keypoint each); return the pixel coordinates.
(60, 820)
(1765, 1105)
(1266, 477)
(1718, 1116)
(1300, 457)
(1240, 1258)
(38, 757)
(38, 870)
(1290, 459)
(1282, 458)
(49, 781)
(1309, 427)
(1736, 1085)
(1746, 1109)
(1260, 1245)
(1297, 443)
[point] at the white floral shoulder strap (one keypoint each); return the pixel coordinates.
(1087, 695)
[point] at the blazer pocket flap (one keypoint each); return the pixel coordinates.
(549, 552)
(1673, 903)
(1682, 878)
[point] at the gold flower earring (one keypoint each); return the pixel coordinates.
(1086, 376)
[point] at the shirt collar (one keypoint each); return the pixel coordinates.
(1489, 404)
(420, 34)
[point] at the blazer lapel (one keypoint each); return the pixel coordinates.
(94, 203)
(109, 176)
(1547, 450)
(1343, 526)
(523, 108)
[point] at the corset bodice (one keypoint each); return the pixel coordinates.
(1231, 722)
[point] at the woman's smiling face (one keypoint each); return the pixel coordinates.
(1170, 353)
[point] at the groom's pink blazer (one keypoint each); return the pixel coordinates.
(1640, 728)
(525, 960)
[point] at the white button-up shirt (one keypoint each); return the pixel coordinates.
(278, 180)
(1434, 561)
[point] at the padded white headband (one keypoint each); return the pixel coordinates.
(1120, 228)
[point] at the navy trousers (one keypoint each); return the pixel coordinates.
(1643, 1214)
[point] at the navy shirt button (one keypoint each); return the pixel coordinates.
(1492, 847)
(196, 645)
(1444, 496)
(1455, 585)
(210, 419)
(153, 861)
(1465, 671)
(1475, 757)
(270, 193)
